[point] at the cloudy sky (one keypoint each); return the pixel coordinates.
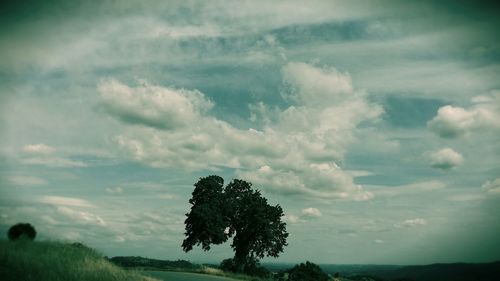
(374, 124)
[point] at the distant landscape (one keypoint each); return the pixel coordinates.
(433, 272)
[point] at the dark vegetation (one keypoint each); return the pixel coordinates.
(238, 211)
(21, 231)
(252, 267)
(307, 272)
(145, 263)
(353, 269)
(439, 272)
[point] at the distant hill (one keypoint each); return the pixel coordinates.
(132, 262)
(445, 272)
(357, 269)
(432, 272)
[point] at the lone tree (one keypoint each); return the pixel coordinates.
(237, 211)
(21, 231)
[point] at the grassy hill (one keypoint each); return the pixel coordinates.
(56, 261)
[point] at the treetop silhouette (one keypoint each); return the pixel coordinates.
(21, 231)
(219, 213)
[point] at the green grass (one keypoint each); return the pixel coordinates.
(56, 261)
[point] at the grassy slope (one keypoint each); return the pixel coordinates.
(55, 261)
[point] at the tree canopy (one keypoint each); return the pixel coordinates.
(219, 213)
(21, 231)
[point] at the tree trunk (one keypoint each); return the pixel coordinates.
(241, 257)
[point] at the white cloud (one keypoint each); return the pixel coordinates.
(162, 30)
(26, 181)
(105, 43)
(81, 217)
(349, 232)
(414, 222)
(319, 127)
(54, 162)
(360, 173)
(375, 225)
(452, 122)
(42, 154)
(325, 104)
(152, 106)
(291, 219)
(326, 182)
(197, 148)
(295, 152)
(446, 159)
(408, 189)
(378, 241)
(142, 185)
(120, 239)
(166, 196)
(315, 86)
(492, 187)
(311, 212)
(466, 197)
(305, 215)
(411, 223)
(150, 224)
(38, 149)
(114, 190)
(49, 220)
(64, 201)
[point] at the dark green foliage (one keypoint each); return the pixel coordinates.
(307, 272)
(250, 267)
(132, 262)
(280, 276)
(21, 231)
(80, 245)
(228, 265)
(237, 211)
(366, 278)
(205, 224)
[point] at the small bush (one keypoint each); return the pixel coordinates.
(250, 267)
(21, 231)
(307, 272)
(228, 265)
